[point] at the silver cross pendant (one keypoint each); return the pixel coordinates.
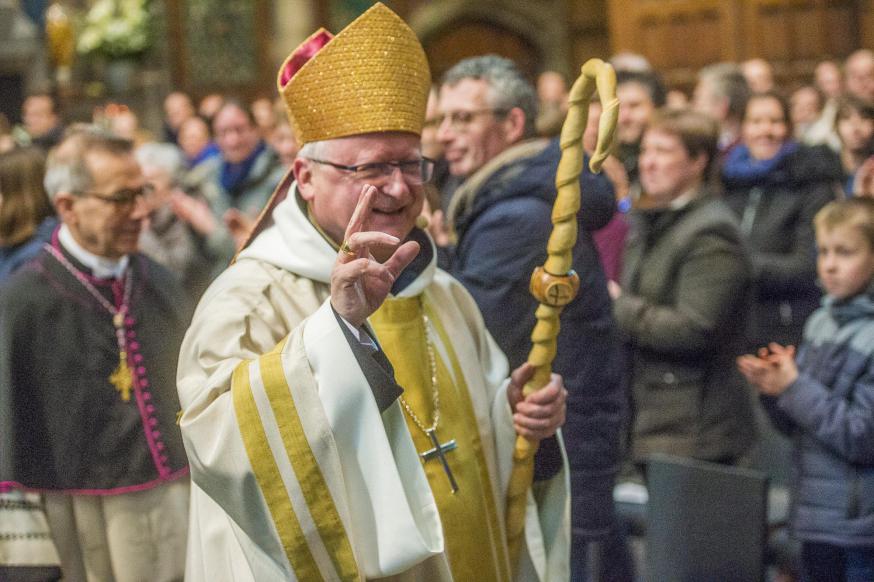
(440, 451)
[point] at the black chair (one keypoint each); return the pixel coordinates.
(706, 522)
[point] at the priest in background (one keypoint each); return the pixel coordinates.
(346, 413)
(89, 336)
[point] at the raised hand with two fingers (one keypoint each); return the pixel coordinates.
(360, 283)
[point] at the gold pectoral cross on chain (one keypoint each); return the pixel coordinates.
(122, 378)
(440, 451)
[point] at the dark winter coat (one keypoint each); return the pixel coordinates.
(829, 413)
(686, 281)
(776, 215)
(502, 237)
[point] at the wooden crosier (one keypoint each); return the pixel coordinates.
(555, 284)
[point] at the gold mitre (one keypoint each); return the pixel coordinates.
(373, 76)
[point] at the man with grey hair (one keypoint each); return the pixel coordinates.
(721, 93)
(500, 217)
(183, 234)
(89, 337)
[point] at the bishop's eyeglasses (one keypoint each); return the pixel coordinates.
(414, 172)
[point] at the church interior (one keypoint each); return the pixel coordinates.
(235, 47)
(689, 513)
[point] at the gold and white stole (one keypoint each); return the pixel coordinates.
(344, 487)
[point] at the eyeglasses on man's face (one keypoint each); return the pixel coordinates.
(459, 120)
(414, 172)
(121, 199)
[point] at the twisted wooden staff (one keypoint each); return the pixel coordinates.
(555, 284)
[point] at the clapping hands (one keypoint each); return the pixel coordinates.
(772, 370)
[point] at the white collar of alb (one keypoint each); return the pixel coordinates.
(101, 267)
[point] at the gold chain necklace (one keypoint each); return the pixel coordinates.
(439, 450)
(435, 394)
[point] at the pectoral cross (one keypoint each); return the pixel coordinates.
(440, 451)
(121, 378)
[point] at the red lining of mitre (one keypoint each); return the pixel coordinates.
(304, 53)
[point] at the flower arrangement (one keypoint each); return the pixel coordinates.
(116, 29)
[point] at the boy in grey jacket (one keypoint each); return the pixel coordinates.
(824, 399)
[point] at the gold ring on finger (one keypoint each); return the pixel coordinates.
(346, 249)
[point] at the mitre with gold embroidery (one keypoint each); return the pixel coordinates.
(373, 76)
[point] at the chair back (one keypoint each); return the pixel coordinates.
(707, 522)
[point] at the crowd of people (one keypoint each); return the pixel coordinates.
(381, 236)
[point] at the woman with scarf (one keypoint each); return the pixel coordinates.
(776, 186)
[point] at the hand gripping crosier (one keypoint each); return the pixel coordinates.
(555, 284)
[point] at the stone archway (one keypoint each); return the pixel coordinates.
(533, 34)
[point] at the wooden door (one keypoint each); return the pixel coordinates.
(681, 36)
(468, 38)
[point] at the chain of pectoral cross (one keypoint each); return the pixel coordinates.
(439, 451)
(122, 377)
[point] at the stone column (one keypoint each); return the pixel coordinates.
(294, 22)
